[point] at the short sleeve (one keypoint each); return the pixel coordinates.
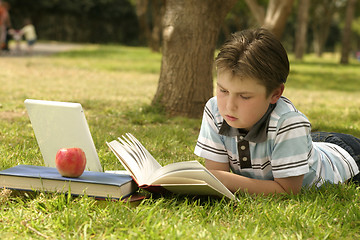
(292, 146)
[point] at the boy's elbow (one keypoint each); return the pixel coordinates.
(290, 185)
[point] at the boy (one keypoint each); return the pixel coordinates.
(252, 130)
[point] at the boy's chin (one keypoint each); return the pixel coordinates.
(237, 125)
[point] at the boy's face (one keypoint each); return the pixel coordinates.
(243, 102)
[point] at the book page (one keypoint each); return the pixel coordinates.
(150, 165)
(177, 180)
(126, 160)
(177, 166)
(134, 157)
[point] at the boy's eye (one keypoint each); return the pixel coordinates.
(245, 97)
(223, 90)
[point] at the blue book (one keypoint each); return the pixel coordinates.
(48, 179)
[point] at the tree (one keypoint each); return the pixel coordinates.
(150, 14)
(239, 17)
(356, 31)
(322, 16)
(157, 10)
(346, 36)
(141, 13)
(275, 17)
(301, 28)
(190, 32)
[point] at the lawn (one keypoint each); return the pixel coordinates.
(115, 85)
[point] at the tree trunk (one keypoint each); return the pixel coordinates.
(301, 28)
(346, 36)
(257, 10)
(157, 10)
(141, 13)
(149, 15)
(190, 33)
(322, 17)
(276, 15)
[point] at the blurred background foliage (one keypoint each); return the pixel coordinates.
(119, 21)
(93, 21)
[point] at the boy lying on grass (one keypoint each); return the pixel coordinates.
(252, 130)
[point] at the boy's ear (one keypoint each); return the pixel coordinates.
(276, 94)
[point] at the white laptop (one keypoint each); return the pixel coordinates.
(61, 125)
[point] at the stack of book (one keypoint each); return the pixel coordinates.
(48, 179)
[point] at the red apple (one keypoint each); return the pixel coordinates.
(70, 162)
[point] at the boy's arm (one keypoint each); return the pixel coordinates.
(236, 182)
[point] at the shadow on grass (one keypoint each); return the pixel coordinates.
(147, 114)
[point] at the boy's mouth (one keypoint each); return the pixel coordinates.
(230, 118)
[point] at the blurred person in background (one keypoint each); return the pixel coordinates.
(30, 34)
(5, 24)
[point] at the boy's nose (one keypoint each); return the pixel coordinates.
(231, 104)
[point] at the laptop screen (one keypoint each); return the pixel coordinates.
(61, 125)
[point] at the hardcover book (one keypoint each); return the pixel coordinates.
(95, 184)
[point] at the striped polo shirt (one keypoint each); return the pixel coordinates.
(278, 146)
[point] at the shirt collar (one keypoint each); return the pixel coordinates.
(257, 134)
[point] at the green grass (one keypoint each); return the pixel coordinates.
(108, 57)
(115, 85)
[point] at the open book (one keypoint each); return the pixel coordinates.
(189, 178)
